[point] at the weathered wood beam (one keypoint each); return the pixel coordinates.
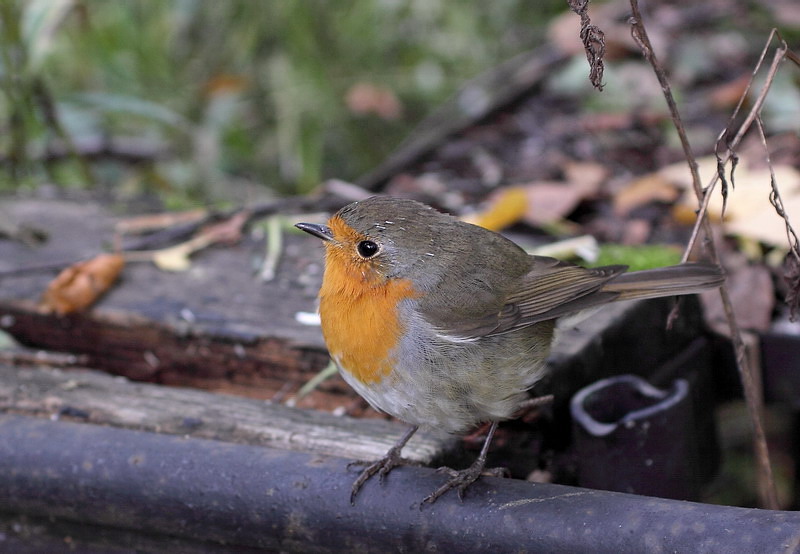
(97, 398)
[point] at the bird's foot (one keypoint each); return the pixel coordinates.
(462, 479)
(382, 467)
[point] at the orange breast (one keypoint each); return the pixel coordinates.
(359, 316)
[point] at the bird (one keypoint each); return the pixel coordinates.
(446, 325)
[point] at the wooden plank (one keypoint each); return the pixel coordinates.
(97, 398)
(128, 344)
(215, 326)
(219, 293)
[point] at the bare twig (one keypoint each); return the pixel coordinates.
(792, 276)
(732, 143)
(768, 492)
(594, 42)
(775, 196)
(782, 53)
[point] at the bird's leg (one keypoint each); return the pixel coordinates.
(465, 477)
(536, 402)
(383, 466)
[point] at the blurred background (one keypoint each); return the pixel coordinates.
(199, 100)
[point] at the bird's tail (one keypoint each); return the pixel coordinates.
(687, 278)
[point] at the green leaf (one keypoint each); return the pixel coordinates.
(119, 103)
(40, 21)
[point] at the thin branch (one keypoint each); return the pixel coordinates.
(639, 33)
(732, 143)
(775, 195)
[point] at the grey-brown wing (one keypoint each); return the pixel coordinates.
(550, 289)
(553, 289)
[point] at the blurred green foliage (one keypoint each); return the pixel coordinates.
(205, 94)
(637, 257)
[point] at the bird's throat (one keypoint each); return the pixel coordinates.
(360, 320)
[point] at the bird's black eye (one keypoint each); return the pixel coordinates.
(367, 248)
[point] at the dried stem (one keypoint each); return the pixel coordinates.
(594, 42)
(768, 492)
(732, 143)
(775, 196)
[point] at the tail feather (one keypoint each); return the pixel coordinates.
(688, 278)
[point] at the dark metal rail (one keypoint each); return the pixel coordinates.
(245, 495)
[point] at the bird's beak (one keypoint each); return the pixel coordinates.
(320, 231)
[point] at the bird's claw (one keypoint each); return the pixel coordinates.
(382, 467)
(462, 479)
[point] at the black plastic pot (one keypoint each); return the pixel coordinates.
(633, 437)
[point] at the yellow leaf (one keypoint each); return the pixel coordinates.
(506, 207)
(172, 259)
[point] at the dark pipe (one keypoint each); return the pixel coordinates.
(290, 501)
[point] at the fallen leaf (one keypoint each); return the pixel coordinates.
(584, 247)
(765, 225)
(588, 175)
(551, 201)
(748, 213)
(176, 258)
(539, 203)
(506, 207)
(81, 284)
(653, 187)
(367, 98)
(227, 231)
(752, 297)
(727, 95)
(636, 231)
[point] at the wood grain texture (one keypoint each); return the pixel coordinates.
(100, 399)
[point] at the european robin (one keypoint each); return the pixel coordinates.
(445, 325)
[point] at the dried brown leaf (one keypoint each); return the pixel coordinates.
(80, 285)
(368, 98)
(752, 296)
(727, 95)
(539, 203)
(548, 202)
(653, 187)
